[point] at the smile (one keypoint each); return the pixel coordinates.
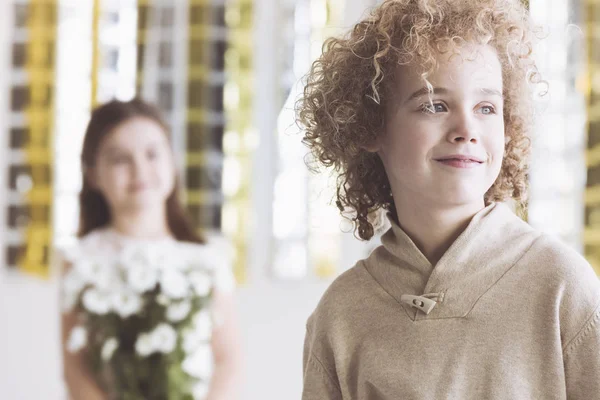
(460, 161)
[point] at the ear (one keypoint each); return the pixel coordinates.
(373, 147)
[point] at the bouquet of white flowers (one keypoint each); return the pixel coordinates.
(143, 319)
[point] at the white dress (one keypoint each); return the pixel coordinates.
(110, 243)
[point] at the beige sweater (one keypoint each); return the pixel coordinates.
(516, 316)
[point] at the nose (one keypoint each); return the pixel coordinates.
(463, 129)
(139, 168)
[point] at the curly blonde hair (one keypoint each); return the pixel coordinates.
(341, 110)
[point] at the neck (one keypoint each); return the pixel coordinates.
(141, 224)
(433, 228)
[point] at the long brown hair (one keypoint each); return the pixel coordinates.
(94, 211)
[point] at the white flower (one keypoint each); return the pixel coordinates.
(174, 284)
(108, 348)
(164, 338)
(203, 324)
(144, 345)
(191, 341)
(95, 272)
(77, 339)
(201, 283)
(96, 301)
(126, 303)
(178, 311)
(200, 390)
(142, 278)
(199, 334)
(200, 363)
(162, 300)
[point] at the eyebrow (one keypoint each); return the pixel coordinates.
(493, 92)
(116, 149)
(425, 91)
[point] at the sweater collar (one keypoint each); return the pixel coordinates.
(492, 243)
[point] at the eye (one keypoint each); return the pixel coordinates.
(152, 154)
(433, 108)
(118, 159)
(487, 110)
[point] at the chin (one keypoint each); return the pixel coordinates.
(141, 204)
(465, 191)
(462, 198)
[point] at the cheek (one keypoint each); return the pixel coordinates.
(412, 146)
(166, 173)
(113, 177)
(407, 137)
(405, 158)
(497, 148)
(119, 177)
(113, 186)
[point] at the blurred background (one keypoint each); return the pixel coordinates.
(226, 74)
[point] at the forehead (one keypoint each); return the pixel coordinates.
(472, 66)
(135, 133)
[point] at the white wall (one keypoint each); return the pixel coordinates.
(273, 320)
(29, 339)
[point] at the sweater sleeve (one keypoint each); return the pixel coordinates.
(582, 361)
(319, 383)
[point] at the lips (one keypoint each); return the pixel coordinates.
(462, 158)
(460, 161)
(137, 187)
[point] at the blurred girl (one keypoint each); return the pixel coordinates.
(130, 194)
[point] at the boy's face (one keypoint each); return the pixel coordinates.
(445, 148)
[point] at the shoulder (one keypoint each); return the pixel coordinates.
(342, 296)
(550, 258)
(335, 313)
(216, 255)
(563, 264)
(93, 243)
(571, 282)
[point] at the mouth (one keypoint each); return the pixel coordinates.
(138, 187)
(460, 161)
